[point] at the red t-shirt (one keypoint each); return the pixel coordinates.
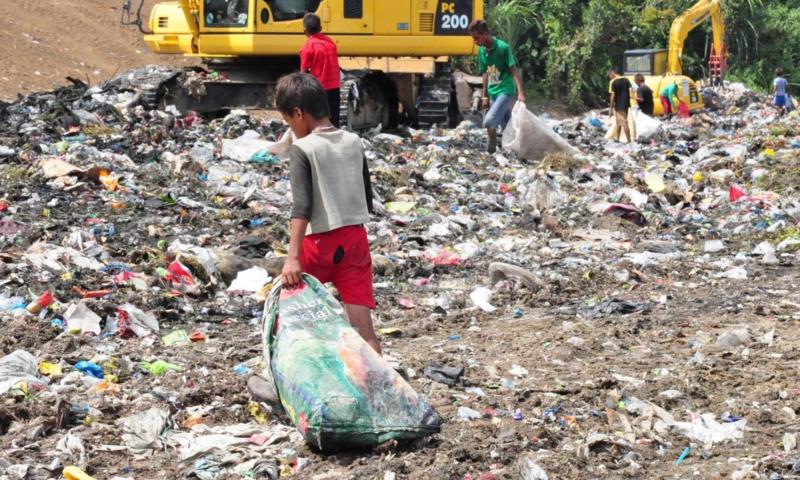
(319, 56)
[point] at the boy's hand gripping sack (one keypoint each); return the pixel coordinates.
(336, 389)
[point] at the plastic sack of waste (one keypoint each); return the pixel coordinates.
(646, 126)
(790, 103)
(18, 366)
(244, 147)
(337, 390)
(530, 138)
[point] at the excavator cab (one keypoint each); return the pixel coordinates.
(645, 61)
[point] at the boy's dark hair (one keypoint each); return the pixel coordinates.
(779, 72)
(478, 26)
(312, 23)
(613, 71)
(303, 91)
(638, 78)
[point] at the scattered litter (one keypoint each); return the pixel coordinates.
(538, 294)
(443, 374)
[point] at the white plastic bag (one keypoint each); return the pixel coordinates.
(244, 147)
(531, 138)
(18, 366)
(790, 106)
(647, 127)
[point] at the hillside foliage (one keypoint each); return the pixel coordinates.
(566, 47)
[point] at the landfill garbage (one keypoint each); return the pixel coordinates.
(714, 246)
(247, 146)
(466, 413)
(481, 297)
(89, 368)
(142, 432)
(132, 319)
(250, 281)
(18, 366)
(323, 371)
(75, 473)
(734, 338)
(82, 320)
(707, 431)
(443, 373)
(529, 469)
(530, 138)
(149, 214)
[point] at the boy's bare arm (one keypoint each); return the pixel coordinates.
(300, 179)
(518, 82)
(367, 185)
(292, 270)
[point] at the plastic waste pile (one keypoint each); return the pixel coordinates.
(624, 311)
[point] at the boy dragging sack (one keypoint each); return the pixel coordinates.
(332, 200)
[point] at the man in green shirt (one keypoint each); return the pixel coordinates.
(501, 79)
(667, 94)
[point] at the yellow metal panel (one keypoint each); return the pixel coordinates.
(391, 65)
(348, 45)
(169, 43)
(660, 63)
(393, 17)
(423, 16)
(363, 25)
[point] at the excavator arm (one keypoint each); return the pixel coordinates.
(691, 18)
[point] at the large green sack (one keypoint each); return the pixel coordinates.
(337, 390)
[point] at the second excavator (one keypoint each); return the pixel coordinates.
(663, 66)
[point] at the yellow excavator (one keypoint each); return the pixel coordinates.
(395, 53)
(663, 66)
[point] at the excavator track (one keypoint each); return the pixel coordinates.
(435, 103)
(368, 99)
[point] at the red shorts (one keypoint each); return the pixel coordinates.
(342, 257)
(666, 105)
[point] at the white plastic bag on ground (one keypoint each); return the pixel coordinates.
(245, 146)
(530, 138)
(647, 127)
(18, 366)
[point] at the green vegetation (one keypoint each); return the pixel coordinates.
(566, 47)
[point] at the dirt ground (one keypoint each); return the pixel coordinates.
(570, 391)
(41, 43)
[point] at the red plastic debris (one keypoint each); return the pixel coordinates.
(736, 193)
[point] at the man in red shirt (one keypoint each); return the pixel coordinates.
(320, 58)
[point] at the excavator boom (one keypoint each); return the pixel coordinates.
(686, 22)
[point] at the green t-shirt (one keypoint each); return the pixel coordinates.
(497, 62)
(670, 91)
